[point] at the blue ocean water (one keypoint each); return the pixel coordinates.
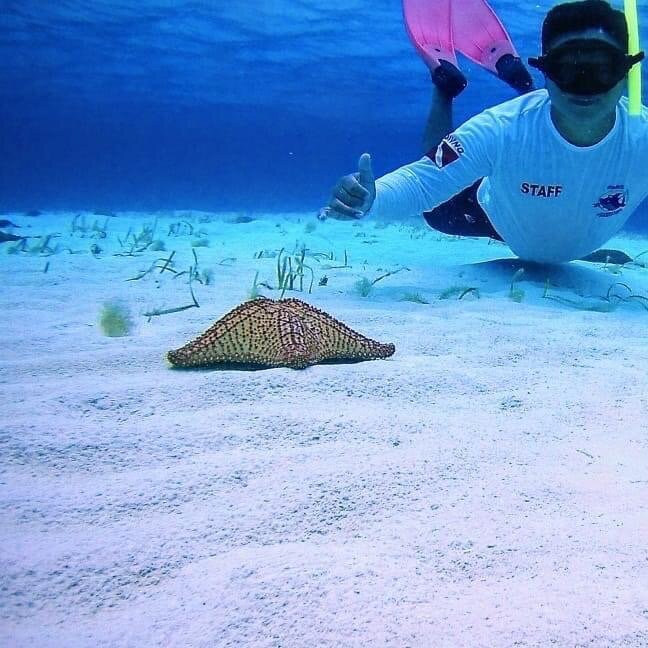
(165, 104)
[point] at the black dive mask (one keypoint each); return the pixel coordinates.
(585, 66)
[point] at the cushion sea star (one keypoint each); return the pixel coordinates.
(282, 333)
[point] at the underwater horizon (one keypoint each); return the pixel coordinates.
(195, 105)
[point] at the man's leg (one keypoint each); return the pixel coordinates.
(431, 28)
(439, 121)
(447, 82)
(462, 215)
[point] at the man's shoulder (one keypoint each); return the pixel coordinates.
(514, 112)
(529, 103)
(635, 128)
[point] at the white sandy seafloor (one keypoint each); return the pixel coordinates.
(485, 486)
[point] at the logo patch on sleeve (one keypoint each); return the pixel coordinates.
(447, 152)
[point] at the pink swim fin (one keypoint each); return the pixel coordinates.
(438, 27)
(429, 26)
(480, 36)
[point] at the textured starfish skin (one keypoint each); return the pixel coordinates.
(282, 333)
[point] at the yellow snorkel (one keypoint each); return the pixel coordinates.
(634, 76)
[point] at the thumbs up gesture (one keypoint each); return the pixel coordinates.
(353, 194)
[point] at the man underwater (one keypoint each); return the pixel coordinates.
(554, 173)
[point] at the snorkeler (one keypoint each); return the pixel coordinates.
(554, 173)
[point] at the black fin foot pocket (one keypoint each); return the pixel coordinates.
(449, 79)
(511, 70)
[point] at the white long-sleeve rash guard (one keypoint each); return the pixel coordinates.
(549, 200)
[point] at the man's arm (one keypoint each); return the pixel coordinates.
(459, 160)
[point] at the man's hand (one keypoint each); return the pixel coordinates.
(353, 194)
